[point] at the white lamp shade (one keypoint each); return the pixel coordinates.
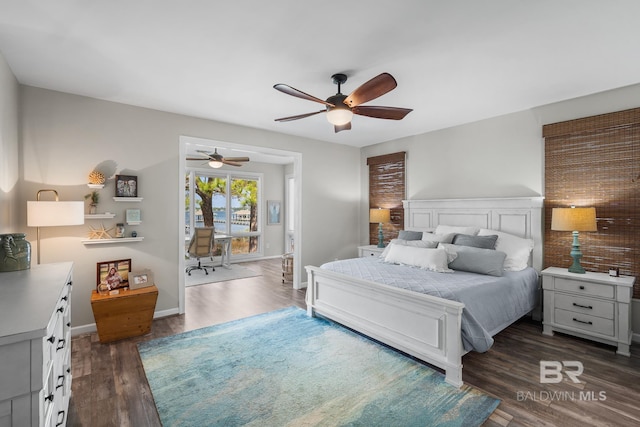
(573, 219)
(51, 214)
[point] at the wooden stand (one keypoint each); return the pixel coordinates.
(287, 267)
(127, 314)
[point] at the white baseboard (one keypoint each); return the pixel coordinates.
(91, 327)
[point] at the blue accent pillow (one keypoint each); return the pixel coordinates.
(476, 260)
(410, 235)
(485, 242)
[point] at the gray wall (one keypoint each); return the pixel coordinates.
(65, 136)
(9, 158)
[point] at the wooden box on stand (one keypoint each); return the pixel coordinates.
(126, 314)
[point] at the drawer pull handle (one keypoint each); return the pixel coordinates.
(51, 339)
(582, 321)
(49, 398)
(60, 381)
(60, 420)
(581, 287)
(60, 344)
(60, 309)
(69, 283)
(583, 306)
(64, 298)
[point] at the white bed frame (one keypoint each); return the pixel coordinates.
(421, 325)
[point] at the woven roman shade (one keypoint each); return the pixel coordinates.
(387, 190)
(595, 162)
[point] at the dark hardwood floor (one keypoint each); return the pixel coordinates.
(110, 388)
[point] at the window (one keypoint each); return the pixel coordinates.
(230, 203)
(387, 190)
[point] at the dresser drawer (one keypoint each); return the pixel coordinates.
(590, 306)
(584, 322)
(584, 288)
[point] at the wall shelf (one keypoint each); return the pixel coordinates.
(98, 186)
(110, 241)
(127, 199)
(106, 215)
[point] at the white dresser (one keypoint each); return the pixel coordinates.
(35, 345)
(595, 306)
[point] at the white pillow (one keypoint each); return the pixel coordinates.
(415, 243)
(446, 229)
(518, 250)
(439, 238)
(426, 258)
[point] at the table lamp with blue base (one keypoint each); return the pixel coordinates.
(575, 220)
(380, 216)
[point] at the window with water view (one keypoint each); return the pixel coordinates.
(228, 202)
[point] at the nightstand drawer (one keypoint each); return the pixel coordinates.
(584, 322)
(584, 288)
(590, 306)
(367, 253)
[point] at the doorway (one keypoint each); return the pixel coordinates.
(291, 190)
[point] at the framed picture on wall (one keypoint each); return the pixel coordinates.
(274, 215)
(115, 274)
(126, 186)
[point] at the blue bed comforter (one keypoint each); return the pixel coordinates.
(491, 303)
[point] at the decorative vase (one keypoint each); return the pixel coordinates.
(15, 252)
(92, 209)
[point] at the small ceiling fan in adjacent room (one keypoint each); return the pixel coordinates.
(215, 160)
(341, 108)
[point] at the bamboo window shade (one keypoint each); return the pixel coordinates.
(387, 189)
(595, 162)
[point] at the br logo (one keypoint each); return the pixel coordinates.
(551, 371)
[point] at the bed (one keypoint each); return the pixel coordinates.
(425, 326)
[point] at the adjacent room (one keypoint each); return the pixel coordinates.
(347, 213)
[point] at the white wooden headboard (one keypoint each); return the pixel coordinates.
(520, 216)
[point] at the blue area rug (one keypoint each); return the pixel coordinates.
(284, 368)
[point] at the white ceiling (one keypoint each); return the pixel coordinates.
(455, 61)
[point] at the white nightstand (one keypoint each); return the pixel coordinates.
(369, 250)
(595, 306)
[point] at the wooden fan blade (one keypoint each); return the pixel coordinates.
(227, 162)
(300, 116)
(196, 158)
(391, 113)
(372, 89)
(236, 159)
(299, 94)
(342, 127)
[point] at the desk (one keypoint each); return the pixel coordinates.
(225, 241)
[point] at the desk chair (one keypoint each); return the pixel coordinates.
(201, 246)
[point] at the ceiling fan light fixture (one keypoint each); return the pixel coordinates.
(339, 116)
(215, 164)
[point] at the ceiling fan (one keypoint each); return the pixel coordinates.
(216, 160)
(341, 108)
